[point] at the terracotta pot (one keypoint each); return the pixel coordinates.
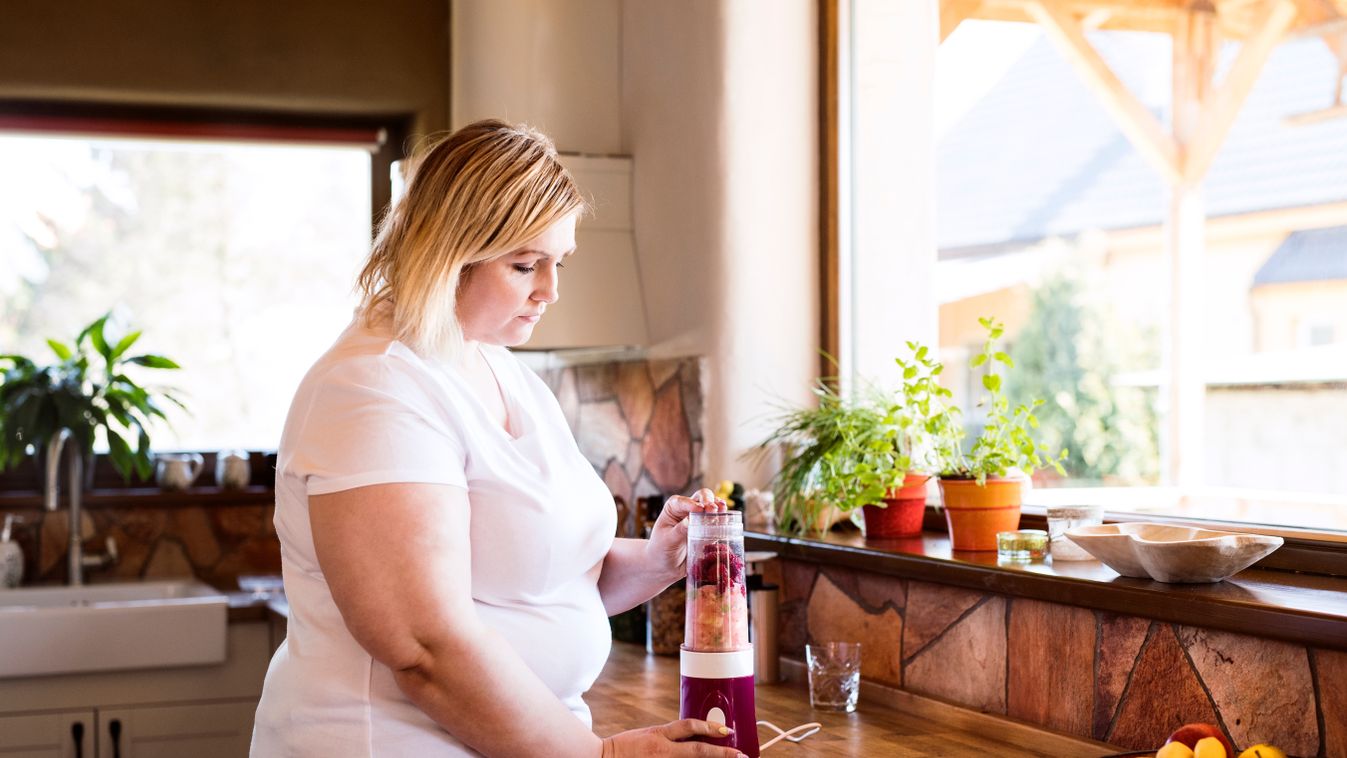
(975, 514)
(902, 513)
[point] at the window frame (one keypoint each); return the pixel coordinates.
(386, 133)
(1310, 550)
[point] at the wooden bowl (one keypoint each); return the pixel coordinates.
(1169, 553)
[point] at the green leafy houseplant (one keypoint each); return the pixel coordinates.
(851, 452)
(845, 454)
(86, 391)
(1006, 444)
(981, 490)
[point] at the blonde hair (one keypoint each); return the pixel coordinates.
(472, 196)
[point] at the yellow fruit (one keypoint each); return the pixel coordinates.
(1263, 751)
(1209, 747)
(1175, 750)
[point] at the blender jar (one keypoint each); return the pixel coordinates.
(717, 593)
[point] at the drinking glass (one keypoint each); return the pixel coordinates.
(1063, 517)
(834, 675)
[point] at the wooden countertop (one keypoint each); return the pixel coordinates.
(637, 689)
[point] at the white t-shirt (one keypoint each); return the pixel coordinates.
(371, 411)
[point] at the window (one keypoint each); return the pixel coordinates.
(1049, 217)
(236, 258)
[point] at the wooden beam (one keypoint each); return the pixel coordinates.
(1220, 110)
(1136, 121)
(953, 13)
(829, 85)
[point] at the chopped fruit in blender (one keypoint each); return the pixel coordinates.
(718, 565)
(717, 621)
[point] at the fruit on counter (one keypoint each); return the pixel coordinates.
(1263, 750)
(1175, 750)
(1210, 747)
(1191, 734)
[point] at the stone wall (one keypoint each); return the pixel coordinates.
(1120, 679)
(213, 543)
(639, 423)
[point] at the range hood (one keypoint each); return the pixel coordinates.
(601, 305)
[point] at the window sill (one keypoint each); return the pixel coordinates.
(122, 497)
(1300, 608)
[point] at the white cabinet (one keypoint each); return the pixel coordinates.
(185, 712)
(206, 730)
(67, 734)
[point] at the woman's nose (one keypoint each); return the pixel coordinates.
(546, 291)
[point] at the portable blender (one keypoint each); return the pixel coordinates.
(716, 660)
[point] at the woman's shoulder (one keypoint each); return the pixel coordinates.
(374, 360)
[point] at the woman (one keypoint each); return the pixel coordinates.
(448, 552)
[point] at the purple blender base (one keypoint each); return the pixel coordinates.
(734, 698)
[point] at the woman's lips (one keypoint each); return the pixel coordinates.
(532, 319)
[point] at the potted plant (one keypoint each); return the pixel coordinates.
(856, 453)
(914, 415)
(86, 391)
(982, 489)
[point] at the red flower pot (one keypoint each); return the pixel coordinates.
(902, 513)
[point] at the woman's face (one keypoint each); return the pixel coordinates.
(500, 300)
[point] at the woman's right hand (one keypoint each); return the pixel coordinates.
(666, 741)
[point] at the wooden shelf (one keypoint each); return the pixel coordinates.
(151, 497)
(1301, 608)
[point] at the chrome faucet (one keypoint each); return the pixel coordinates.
(76, 560)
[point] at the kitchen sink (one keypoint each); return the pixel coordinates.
(105, 627)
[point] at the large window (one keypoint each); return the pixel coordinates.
(237, 259)
(1049, 217)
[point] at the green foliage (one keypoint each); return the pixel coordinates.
(850, 452)
(85, 391)
(1069, 352)
(1006, 442)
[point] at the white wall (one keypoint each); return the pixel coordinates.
(716, 104)
(766, 327)
(554, 65)
(892, 137)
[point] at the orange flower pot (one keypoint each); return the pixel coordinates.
(975, 514)
(902, 513)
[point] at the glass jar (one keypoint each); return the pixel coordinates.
(664, 621)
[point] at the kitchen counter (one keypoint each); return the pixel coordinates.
(637, 689)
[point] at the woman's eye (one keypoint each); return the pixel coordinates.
(521, 268)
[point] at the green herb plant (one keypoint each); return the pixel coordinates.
(86, 391)
(849, 452)
(1006, 443)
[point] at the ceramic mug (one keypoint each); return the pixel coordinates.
(177, 471)
(232, 471)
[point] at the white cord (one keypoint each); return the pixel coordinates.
(789, 734)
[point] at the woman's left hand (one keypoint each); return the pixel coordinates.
(667, 550)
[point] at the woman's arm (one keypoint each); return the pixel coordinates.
(630, 577)
(397, 559)
(636, 570)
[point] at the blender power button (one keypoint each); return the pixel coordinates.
(716, 715)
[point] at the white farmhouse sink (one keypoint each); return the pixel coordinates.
(102, 627)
